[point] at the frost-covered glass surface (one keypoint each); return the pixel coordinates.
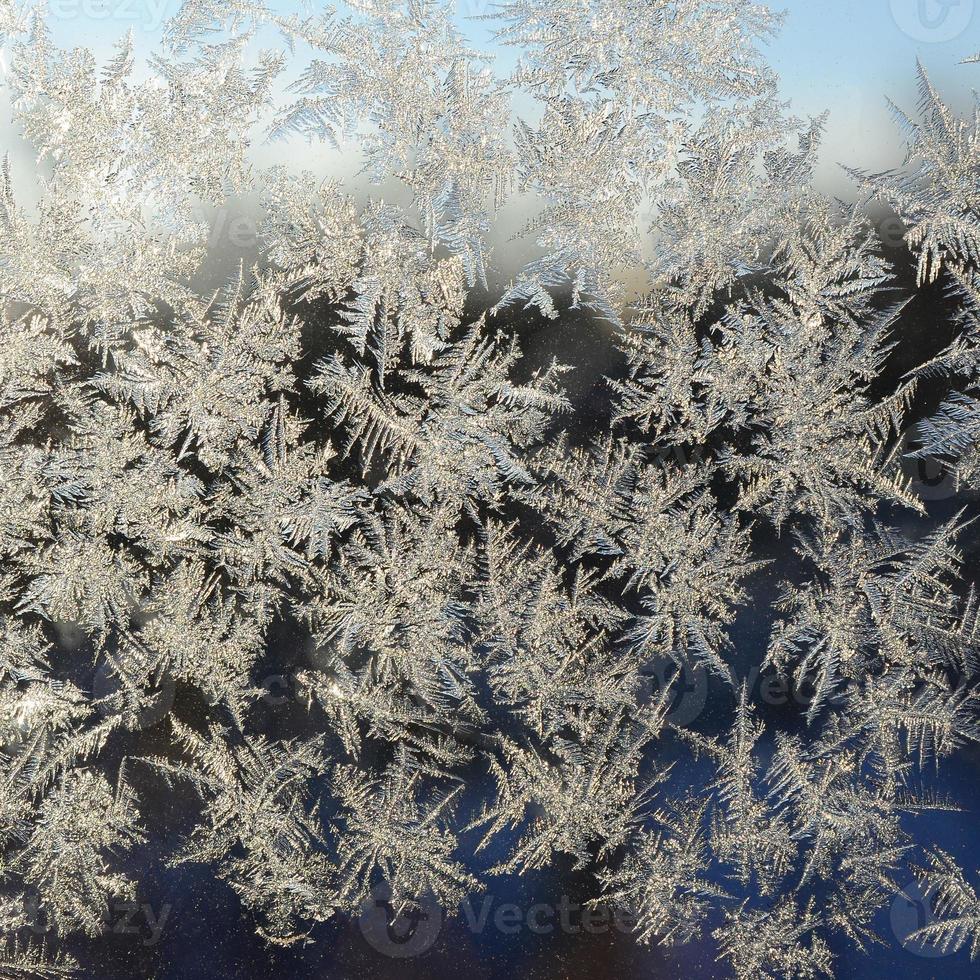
(545, 546)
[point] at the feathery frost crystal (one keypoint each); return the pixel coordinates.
(479, 529)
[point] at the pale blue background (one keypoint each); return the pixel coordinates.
(841, 55)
